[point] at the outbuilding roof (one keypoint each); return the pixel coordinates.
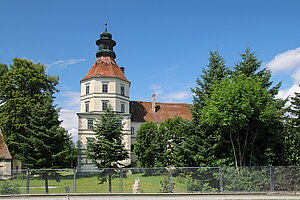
(142, 111)
(4, 152)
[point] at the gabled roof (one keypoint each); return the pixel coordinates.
(4, 152)
(105, 67)
(141, 111)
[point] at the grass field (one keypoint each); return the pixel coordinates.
(90, 184)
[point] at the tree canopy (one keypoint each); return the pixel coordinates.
(29, 120)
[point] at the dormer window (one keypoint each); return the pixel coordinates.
(122, 90)
(104, 87)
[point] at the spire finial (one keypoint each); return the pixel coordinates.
(105, 29)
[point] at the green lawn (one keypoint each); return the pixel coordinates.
(88, 183)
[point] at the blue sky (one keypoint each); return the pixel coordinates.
(162, 44)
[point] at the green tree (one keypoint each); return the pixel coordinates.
(48, 144)
(244, 118)
(215, 73)
(28, 119)
(250, 66)
(108, 149)
(292, 133)
(146, 147)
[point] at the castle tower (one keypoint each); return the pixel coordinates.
(104, 84)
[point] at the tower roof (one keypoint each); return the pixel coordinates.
(105, 67)
(106, 45)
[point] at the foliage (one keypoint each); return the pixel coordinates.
(167, 184)
(292, 133)
(172, 143)
(9, 188)
(146, 147)
(107, 150)
(240, 109)
(29, 121)
(201, 179)
(49, 145)
(214, 74)
(246, 179)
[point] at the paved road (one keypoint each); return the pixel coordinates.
(181, 197)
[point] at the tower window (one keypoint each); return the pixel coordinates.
(104, 87)
(87, 107)
(123, 90)
(122, 107)
(104, 104)
(87, 89)
(90, 124)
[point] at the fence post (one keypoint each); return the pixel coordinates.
(28, 181)
(121, 180)
(220, 179)
(171, 181)
(272, 185)
(74, 179)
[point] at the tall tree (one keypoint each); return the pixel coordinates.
(24, 89)
(244, 118)
(215, 73)
(292, 136)
(108, 149)
(48, 144)
(250, 66)
(146, 146)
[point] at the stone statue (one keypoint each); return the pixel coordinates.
(136, 188)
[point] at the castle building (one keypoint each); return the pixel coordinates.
(105, 84)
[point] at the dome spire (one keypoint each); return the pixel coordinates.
(106, 44)
(105, 29)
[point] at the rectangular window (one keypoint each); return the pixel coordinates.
(104, 87)
(104, 105)
(132, 130)
(122, 107)
(90, 124)
(123, 90)
(87, 89)
(87, 107)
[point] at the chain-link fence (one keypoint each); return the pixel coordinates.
(151, 180)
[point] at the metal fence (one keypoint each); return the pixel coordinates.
(152, 180)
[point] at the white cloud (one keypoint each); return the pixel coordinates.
(72, 99)
(177, 96)
(296, 76)
(68, 115)
(289, 92)
(157, 89)
(285, 61)
(288, 61)
(63, 63)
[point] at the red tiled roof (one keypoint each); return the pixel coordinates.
(105, 67)
(141, 111)
(4, 152)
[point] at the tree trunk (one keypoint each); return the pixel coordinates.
(109, 183)
(46, 183)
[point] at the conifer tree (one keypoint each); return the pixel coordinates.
(215, 73)
(29, 121)
(108, 149)
(48, 144)
(292, 136)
